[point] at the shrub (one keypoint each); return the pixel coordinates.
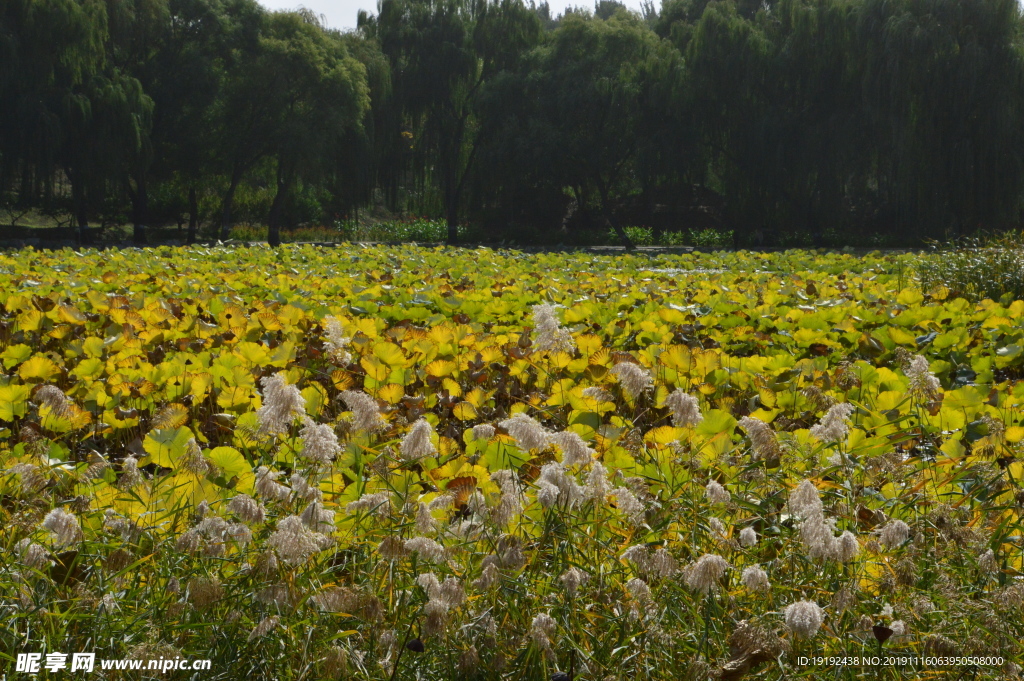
(977, 268)
(644, 236)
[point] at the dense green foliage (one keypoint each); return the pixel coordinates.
(978, 268)
(781, 121)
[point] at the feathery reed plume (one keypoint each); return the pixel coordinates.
(64, 526)
(635, 379)
(29, 477)
(483, 432)
(377, 502)
(33, 555)
(247, 509)
(922, 383)
(555, 486)
(336, 341)
(131, 476)
(748, 537)
(834, 426)
(510, 505)
(717, 494)
(204, 591)
(428, 549)
(704, 574)
(268, 488)
(365, 411)
(550, 335)
(193, 460)
(598, 393)
(572, 579)
(528, 433)
(894, 533)
(755, 579)
(263, 628)
(598, 486)
(319, 442)
(575, 451)
(762, 439)
(629, 505)
(804, 618)
(416, 444)
(542, 630)
(685, 409)
(804, 500)
(488, 578)
(54, 398)
(294, 542)
(318, 518)
(282, 404)
(425, 523)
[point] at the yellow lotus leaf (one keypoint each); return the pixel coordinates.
(391, 393)
(705, 362)
(236, 398)
(1015, 470)
(663, 435)
(290, 316)
(269, 321)
(233, 466)
(283, 354)
(909, 297)
(560, 392)
(15, 355)
(93, 346)
(390, 354)
(71, 315)
(1014, 434)
(617, 458)
(316, 397)
(464, 411)
(453, 388)
(170, 417)
(341, 379)
(38, 368)
(440, 368)
(166, 447)
(588, 344)
(187, 488)
(477, 397)
(253, 353)
(13, 401)
(375, 368)
(30, 320)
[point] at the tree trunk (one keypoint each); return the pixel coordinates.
(140, 205)
(606, 211)
(79, 206)
(453, 222)
(274, 219)
(449, 184)
(193, 215)
(226, 205)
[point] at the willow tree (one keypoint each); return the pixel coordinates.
(312, 91)
(443, 53)
(187, 75)
(596, 84)
(50, 51)
(943, 83)
(728, 59)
